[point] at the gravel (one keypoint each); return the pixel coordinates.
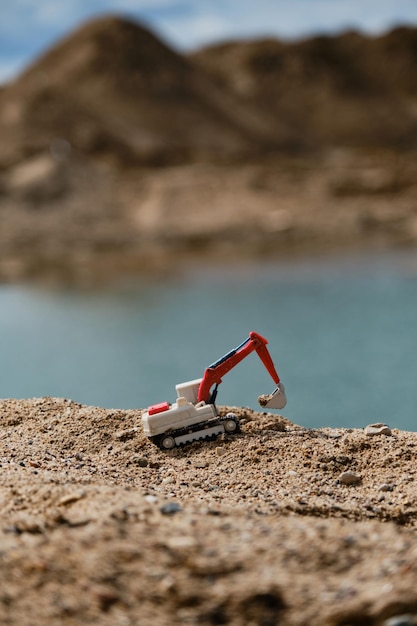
(98, 526)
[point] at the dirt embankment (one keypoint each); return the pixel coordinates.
(86, 223)
(121, 155)
(278, 524)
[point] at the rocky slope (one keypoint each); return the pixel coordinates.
(348, 90)
(119, 154)
(278, 524)
(113, 91)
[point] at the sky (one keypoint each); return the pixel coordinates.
(29, 27)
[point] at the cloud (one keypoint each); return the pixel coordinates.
(9, 69)
(194, 31)
(27, 27)
(299, 17)
(190, 24)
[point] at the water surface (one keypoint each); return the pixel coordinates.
(342, 333)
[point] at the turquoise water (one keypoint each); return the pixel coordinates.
(342, 333)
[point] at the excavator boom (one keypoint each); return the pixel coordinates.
(214, 373)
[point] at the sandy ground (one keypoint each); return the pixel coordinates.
(98, 526)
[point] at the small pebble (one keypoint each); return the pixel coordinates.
(124, 435)
(349, 478)
(71, 497)
(201, 464)
(386, 487)
(220, 451)
(400, 620)
(105, 596)
(170, 508)
(377, 429)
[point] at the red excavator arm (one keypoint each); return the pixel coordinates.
(215, 372)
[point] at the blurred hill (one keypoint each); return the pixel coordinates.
(118, 151)
(347, 90)
(113, 90)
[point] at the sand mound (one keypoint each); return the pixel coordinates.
(278, 524)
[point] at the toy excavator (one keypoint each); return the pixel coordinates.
(194, 415)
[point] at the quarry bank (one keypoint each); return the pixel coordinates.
(134, 161)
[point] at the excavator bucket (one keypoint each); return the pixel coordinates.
(274, 400)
